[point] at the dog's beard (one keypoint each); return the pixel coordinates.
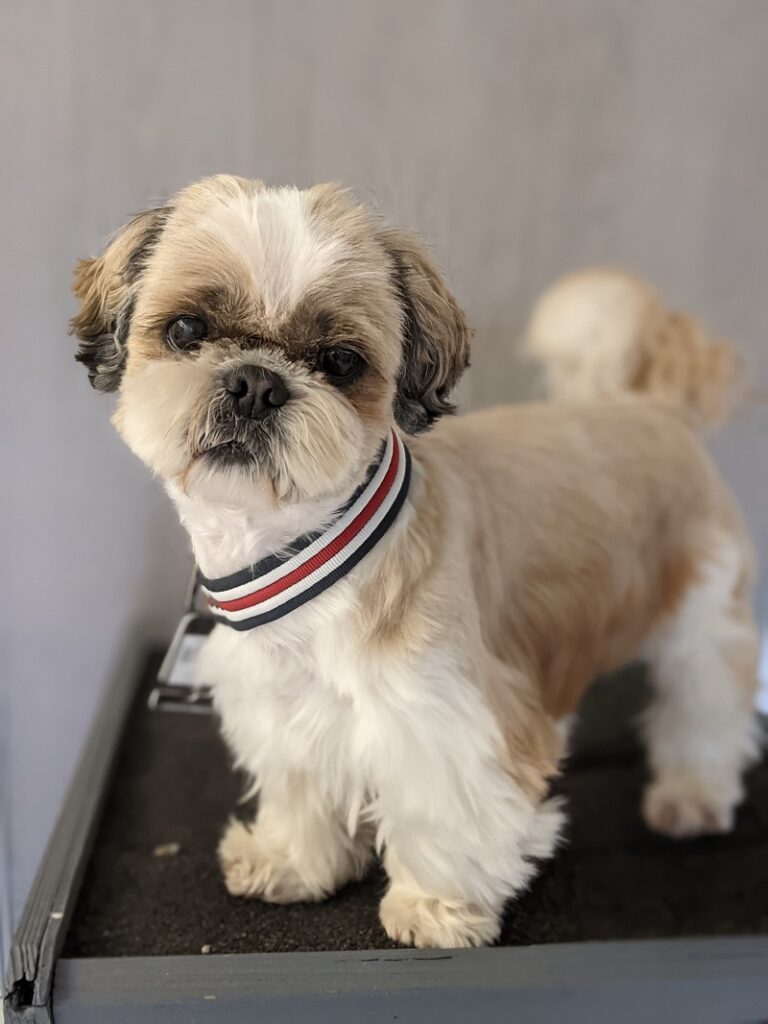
(309, 448)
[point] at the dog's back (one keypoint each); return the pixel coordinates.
(597, 530)
(601, 514)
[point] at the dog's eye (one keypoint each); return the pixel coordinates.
(341, 364)
(186, 331)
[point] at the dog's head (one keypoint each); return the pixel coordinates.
(265, 337)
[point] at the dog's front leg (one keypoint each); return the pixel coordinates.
(459, 831)
(297, 848)
(449, 880)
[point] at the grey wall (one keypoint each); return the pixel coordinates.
(522, 138)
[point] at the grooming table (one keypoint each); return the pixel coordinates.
(129, 919)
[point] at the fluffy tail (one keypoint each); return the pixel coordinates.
(603, 332)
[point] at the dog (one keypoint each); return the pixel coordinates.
(408, 617)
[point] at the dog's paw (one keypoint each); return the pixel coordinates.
(414, 918)
(683, 807)
(255, 867)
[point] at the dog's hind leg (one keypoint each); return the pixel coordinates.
(701, 729)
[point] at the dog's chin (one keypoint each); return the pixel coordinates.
(233, 471)
(227, 455)
(239, 472)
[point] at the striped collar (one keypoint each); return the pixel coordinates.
(276, 585)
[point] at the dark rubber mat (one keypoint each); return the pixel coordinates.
(612, 879)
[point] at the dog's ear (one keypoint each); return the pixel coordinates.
(106, 288)
(435, 335)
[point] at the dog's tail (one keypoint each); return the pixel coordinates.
(601, 333)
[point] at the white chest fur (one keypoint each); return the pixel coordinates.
(291, 699)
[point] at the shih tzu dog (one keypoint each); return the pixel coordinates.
(408, 619)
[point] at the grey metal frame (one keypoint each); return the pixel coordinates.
(27, 990)
(701, 981)
(696, 981)
(5, 835)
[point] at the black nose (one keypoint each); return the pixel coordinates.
(255, 390)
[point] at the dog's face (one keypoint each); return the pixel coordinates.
(266, 338)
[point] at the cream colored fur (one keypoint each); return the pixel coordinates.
(600, 333)
(416, 708)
